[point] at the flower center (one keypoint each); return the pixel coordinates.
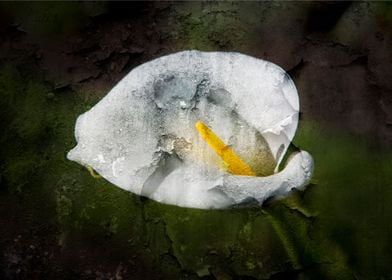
(232, 161)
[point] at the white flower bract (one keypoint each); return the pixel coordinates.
(142, 137)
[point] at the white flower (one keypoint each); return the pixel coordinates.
(179, 129)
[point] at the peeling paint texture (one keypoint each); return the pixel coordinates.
(59, 59)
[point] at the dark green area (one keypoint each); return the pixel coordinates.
(58, 222)
(326, 230)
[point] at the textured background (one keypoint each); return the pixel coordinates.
(57, 222)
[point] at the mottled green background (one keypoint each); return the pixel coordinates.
(57, 222)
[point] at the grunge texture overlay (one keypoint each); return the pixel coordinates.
(57, 222)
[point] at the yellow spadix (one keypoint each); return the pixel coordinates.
(233, 162)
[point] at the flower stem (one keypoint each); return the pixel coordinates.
(284, 238)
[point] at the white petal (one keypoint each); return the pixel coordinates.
(295, 175)
(144, 128)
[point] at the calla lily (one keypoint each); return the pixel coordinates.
(197, 129)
